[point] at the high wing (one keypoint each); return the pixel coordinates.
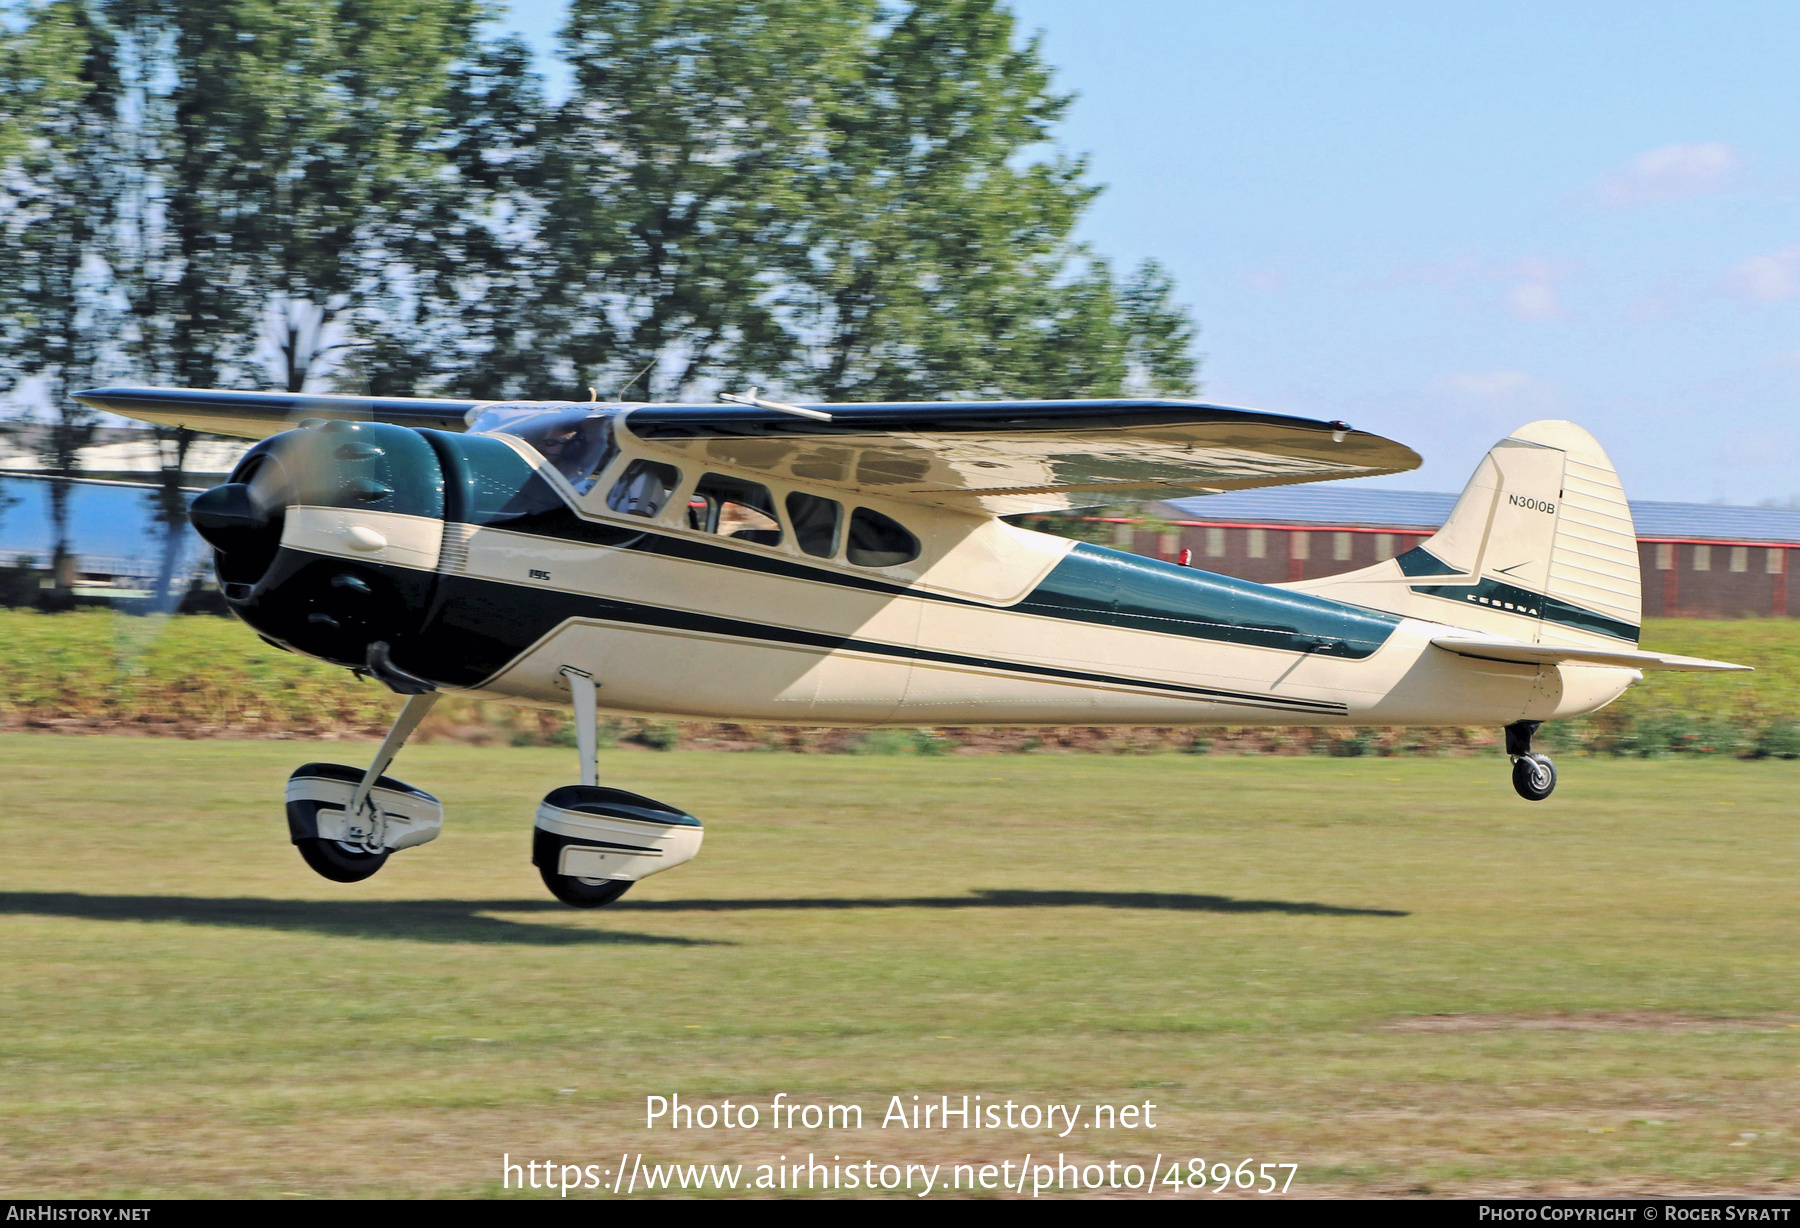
(1003, 457)
(1499, 648)
(257, 415)
(1008, 457)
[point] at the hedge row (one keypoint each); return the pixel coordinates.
(201, 676)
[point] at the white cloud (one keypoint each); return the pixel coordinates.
(1512, 391)
(1671, 172)
(1532, 295)
(1533, 300)
(1769, 278)
(1529, 291)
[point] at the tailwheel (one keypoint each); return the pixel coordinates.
(1534, 776)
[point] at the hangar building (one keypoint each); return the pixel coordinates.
(1699, 560)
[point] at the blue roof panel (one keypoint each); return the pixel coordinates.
(1412, 509)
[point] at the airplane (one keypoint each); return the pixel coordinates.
(851, 564)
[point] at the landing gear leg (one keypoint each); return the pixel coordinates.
(1534, 776)
(587, 723)
(575, 890)
(363, 835)
(590, 844)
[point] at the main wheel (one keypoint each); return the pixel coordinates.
(581, 893)
(1534, 776)
(339, 862)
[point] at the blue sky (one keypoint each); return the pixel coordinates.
(1442, 221)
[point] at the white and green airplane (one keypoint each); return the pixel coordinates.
(851, 565)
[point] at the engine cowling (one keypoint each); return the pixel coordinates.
(331, 540)
(347, 489)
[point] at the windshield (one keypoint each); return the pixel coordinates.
(579, 443)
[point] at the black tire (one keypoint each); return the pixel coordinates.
(1534, 777)
(331, 859)
(577, 894)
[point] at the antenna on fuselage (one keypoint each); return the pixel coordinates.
(778, 406)
(640, 375)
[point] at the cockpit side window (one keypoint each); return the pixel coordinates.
(577, 442)
(815, 522)
(878, 541)
(644, 488)
(733, 507)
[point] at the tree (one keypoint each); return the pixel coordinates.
(681, 173)
(847, 199)
(841, 198)
(58, 205)
(469, 292)
(941, 262)
(304, 130)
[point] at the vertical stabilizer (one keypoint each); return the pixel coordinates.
(1540, 546)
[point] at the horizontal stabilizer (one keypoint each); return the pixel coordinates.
(1497, 648)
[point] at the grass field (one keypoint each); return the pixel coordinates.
(1392, 973)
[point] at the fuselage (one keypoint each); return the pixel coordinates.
(519, 567)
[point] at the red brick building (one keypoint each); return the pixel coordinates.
(1698, 560)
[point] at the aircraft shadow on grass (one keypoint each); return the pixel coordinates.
(1147, 900)
(465, 920)
(407, 920)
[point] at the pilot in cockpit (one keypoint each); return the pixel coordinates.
(563, 446)
(577, 445)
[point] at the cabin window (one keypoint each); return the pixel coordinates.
(732, 507)
(877, 541)
(578, 443)
(644, 488)
(815, 522)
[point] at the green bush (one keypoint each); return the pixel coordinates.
(658, 735)
(1711, 737)
(884, 742)
(200, 676)
(929, 742)
(1779, 739)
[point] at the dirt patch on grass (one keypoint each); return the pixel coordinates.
(1596, 1021)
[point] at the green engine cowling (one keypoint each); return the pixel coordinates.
(330, 607)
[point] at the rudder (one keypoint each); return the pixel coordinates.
(1540, 546)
